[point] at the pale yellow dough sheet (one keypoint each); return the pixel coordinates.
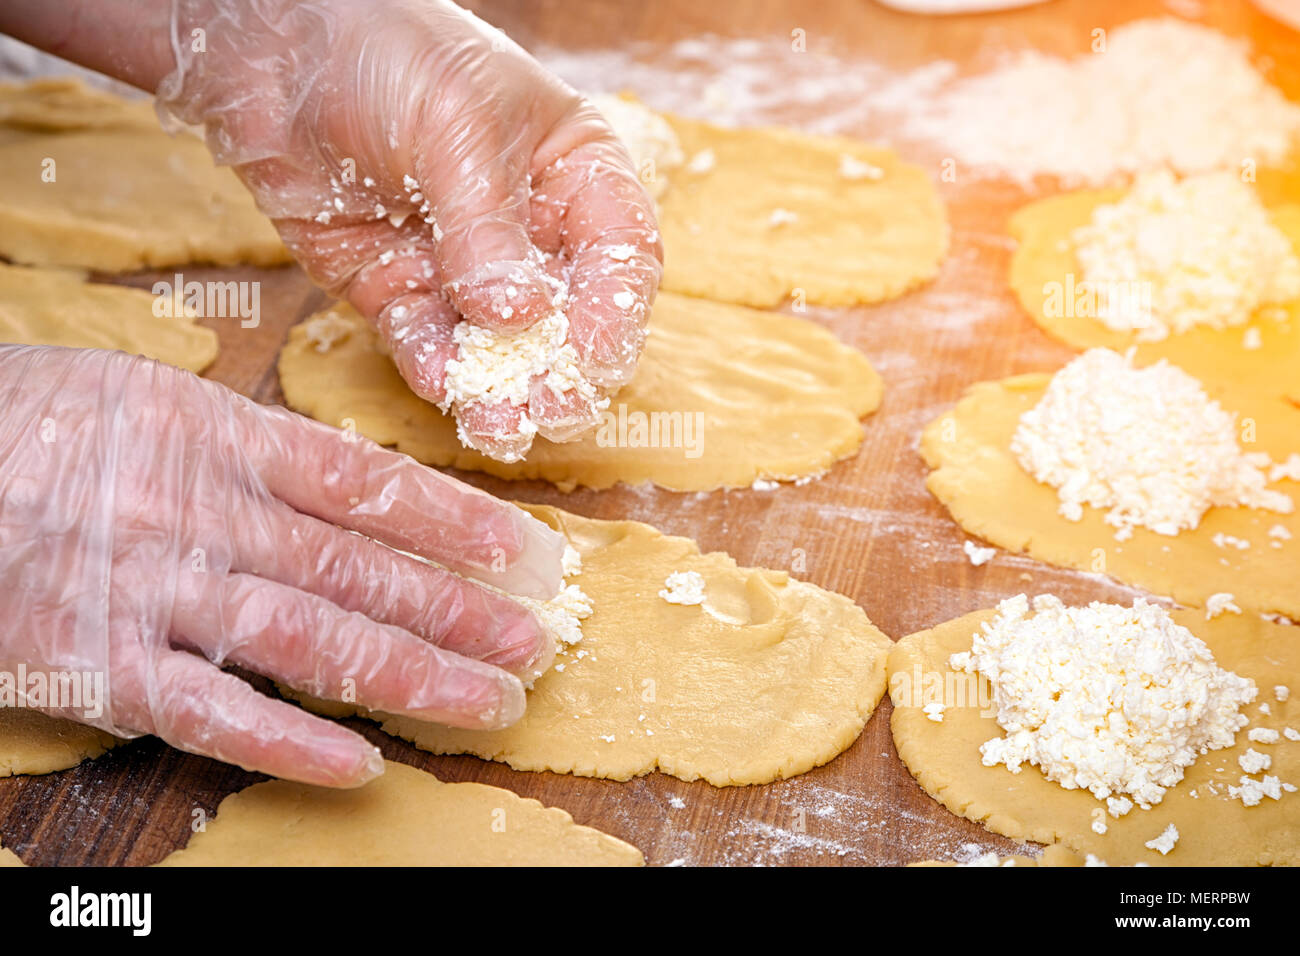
(1215, 829)
(1045, 255)
(33, 743)
(125, 195)
(769, 678)
(9, 858)
(406, 817)
(58, 307)
(776, 396)
(851, 241)
(983, 486)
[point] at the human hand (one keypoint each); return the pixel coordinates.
(420, 164)
(154, 526)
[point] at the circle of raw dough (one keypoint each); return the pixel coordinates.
(754, 395)
(729, 236)
(1216, 829)
(1045, 259)
(767, 679)
(405, 817)
(33, 743)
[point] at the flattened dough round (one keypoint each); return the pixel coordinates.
(1046, 255)
(768, 679)
(125, 194)
(405, 817)
(56, 307)
(9, 858)
(1215, 829)
(854, 241)
(33, 743)
(987, 492)
(780, 398)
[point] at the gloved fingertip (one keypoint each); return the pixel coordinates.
(505, 296)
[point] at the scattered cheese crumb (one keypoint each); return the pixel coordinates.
(1281, 692)
(1252, 761)
(1263, 735)
(683, 587)
(854, 169)
(978, 556)
(1252, 792)
(934, 711)
(781, 217)
(1165, 842)
(702, 162)
(1252, 339)
(1220, 603)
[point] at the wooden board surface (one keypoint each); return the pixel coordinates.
(868, 529)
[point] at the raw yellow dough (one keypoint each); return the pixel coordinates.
(854, 240)
(980, 482)
(780, 398)
(125, 195)
(1054, 855)
(58, 307)
(1045, 255)
(404, 818)
(32, 743)
(9, 858)
(1215, 829)
(769, 678)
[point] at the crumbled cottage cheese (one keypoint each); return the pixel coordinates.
(562, 615)
(683, 587)
(1161, 93)
(1252, 761)
(1252, 792)
(326, 330)
(1112, 699)
(1202, 252)
(934, 711)
(1263, 735)
(1220, 603)
(1147, 443)
(854, 169)
(650, 141)
(1165, 842)
(978, 556)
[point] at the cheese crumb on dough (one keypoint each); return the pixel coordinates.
(1252, 792)
(1281, 692)
(326, 330)
(1220, 603)
(1165, 842)
(934, 711)
(1111, 699)
(1263, 735)
(683, 587)
(1171, 256)
(1252, 761)
(1146, 443)
(854, 169)
(978, 556)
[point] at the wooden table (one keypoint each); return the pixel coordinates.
(868, 529)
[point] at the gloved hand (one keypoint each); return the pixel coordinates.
(154, 525)
(419, 163)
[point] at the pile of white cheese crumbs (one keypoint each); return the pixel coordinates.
(1146, 443)
(1118, 701)
(1156, 93)
(1171, 256)
(650, 141)
(683, 587)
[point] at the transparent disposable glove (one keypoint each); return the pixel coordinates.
(154, 525)
(419, 163)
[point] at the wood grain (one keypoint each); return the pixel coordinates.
(868, 529)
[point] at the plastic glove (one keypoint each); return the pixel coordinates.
(421, 164)
(154, 525)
